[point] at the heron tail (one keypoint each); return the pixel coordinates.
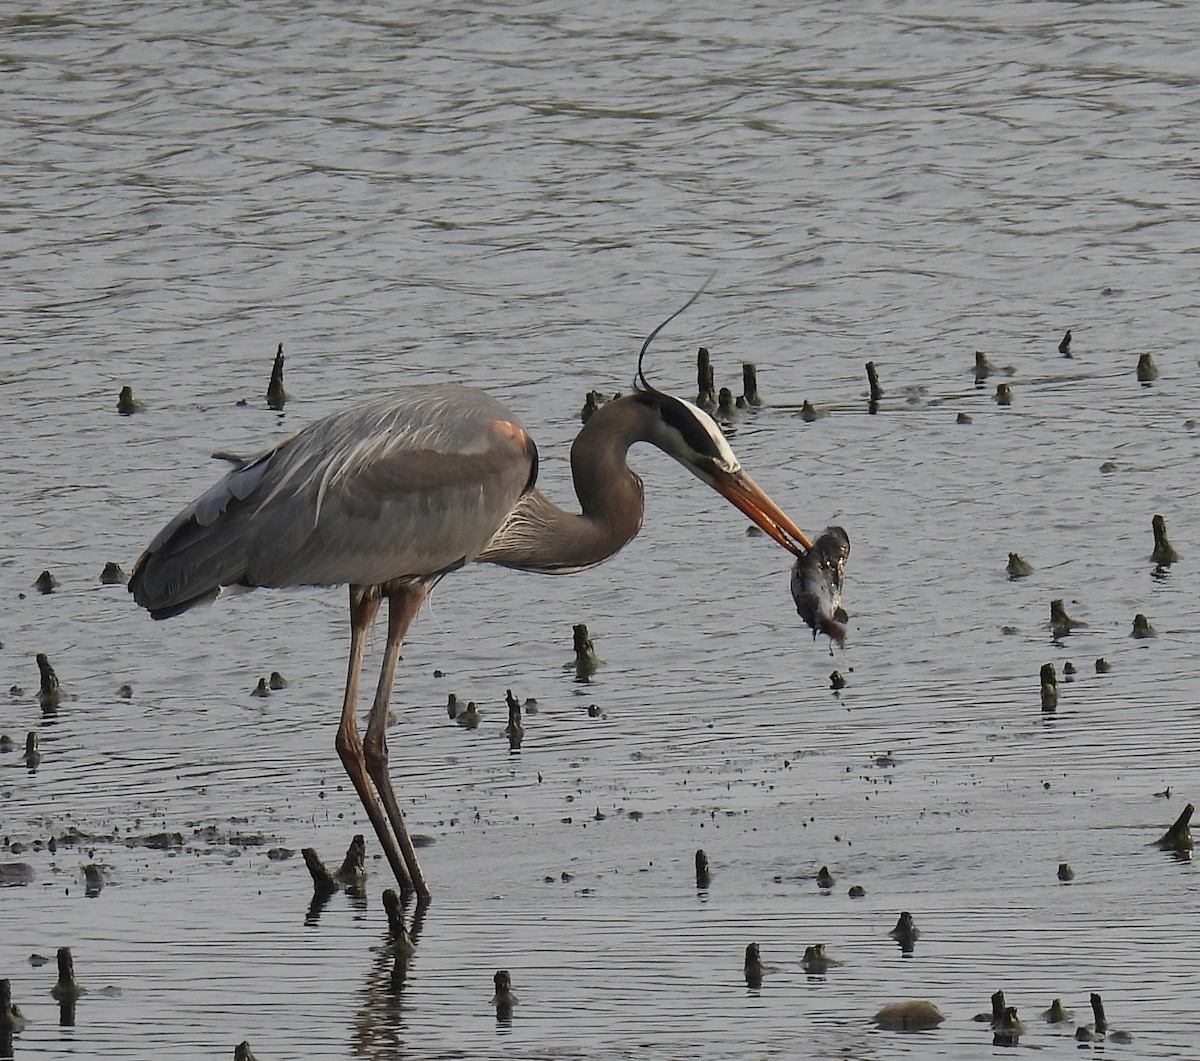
(200, 552)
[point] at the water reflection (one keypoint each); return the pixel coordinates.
(379, 1022)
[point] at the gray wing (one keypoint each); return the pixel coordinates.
(399, 487)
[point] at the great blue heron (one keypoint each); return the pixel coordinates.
(392, 494)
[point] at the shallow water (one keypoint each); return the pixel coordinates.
(512, 197)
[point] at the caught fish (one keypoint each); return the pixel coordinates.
(817, 584)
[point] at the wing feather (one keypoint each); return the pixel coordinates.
(398, 487)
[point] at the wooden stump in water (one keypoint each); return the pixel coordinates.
(49, 690)
(1142, 627)
(1049, 687)
(66, 987)
(591, 403)
(1164, 553)
(276, 396)
(127, 404)
(586, 660)
(323, 881)
(113, 574)
(504, 999)
(1008, 1029)
(515, 729)
(1018, 566)
(1057, 1013)
(750, 384)
(752, 967)
(1179, 836)
(983, 367)
(873, 380)
(906, 932)
(11, 1019)
(1061, 624)
(706, 394)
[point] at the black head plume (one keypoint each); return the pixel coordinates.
(640, 383)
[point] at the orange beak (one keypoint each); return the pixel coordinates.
(746, 495)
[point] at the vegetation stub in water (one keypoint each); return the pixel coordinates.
(276, 396)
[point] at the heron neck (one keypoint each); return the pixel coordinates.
(541, 536)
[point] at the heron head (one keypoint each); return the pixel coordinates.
(692, 437)
(687, 433)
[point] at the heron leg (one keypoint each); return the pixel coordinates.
(363, 609)
(403, 605)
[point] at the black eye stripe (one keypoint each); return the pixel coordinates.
(680, 417)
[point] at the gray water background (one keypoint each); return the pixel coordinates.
(512, 196)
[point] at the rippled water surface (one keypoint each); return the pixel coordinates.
(512, 196)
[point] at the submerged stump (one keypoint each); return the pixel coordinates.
(1057, 1013)
(906, 932)
(983, 367)
(1164, 553)
(353, 870)
(1179, 836)
(66, 991)
(127, 404)
(1018, 566)
(12, 1021)
(1049, 682)
(586, 660)
(706, 394)
(1142, 627)
(515, 729)
(591, 402)
(113, 574)
(49, 689)
(873, 382)
(1061, 624)
(750, 384)
(1008, 1029)
(752, 966)
(323, 881)
(997, 1012)
(394, 909)
(276, 396)
(504, 999)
